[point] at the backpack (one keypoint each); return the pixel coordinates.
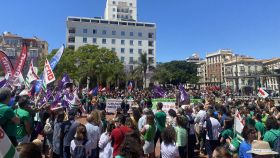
(276, 145)
(48, 128)
(80, 150)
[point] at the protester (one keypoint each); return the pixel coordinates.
(80, 146)
(249, 133)
(181, 136)
(28, 150)
(57, 145)
(168, 147)
(148, 132)
(8, 119)
(130, 148)
(160, 117)
(272, 132)
(106, 150)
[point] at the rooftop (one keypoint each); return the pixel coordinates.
(112, 22)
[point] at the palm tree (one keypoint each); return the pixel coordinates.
(144, 64)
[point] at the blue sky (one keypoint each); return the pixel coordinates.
(250, 27)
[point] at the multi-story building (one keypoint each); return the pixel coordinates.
(202, 73)
(129, 39)
(242, 74)
(272, 79)
(215, 67)
(11, 44)
(125, 10)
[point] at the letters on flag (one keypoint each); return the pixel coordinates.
(20, 62)
(48, 73)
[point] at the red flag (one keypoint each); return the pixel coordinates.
(20, 61)
(6, 64)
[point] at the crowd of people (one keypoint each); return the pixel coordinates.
(190, 130)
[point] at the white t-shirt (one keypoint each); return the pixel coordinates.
(106, 150)
(169, 150)
(216, 128)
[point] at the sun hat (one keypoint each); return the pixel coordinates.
(261, 148)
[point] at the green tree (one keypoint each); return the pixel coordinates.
(176, 72)
(100, 64)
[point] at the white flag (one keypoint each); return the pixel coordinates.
(7, 150)
(48, 73)
(262, 93)
(238, 125)
(31, 75)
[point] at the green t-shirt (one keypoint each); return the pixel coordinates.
(227, 133)
(6, 114)
(260, 127)
(24, 116)
(160, 117)
(181, 136)
(264, 118)
(270, 136)
(150, 132)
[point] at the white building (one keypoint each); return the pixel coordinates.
(129, 39)
(242, 73)
(121, 10)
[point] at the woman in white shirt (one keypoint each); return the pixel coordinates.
(105, 146)
(168, 146)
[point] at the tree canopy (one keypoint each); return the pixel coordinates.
(176, 72)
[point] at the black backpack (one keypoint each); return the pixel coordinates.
(80, 150)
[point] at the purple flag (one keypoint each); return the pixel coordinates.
(183, 94)
(3, 83)
(158, 92)
(65, 79)
(94, 91)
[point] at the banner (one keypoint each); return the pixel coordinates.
(48, 73)
(20, 62)
(167, 104)
(113, 104)
(6, 64)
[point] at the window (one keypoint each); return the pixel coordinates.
(139, 51)
(11, 52)
(71, 47)
(131, 33)
(94, 40)
(140, 34)
(114, 9)
(131, 51)
(151, 35)
(151, 52)
(94, 31)
(122, 59)
(71, 39)
(104, 32)
(84, 30)
(131, 42)
(114, 2)
(113, 41)
(104, 41)
(130, 60)
(33, 53)
(72, 30)
(151, 43)
(123, 42)
(114, 16)
(122, 50)
(113, 49)
(123, 33)
(151, 60)
(84, 40)
(114, 32)
(130, 11)
(139, 43)
(130, 4)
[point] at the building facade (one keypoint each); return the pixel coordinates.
(242, 74)
(11, 44)
(202, 73)
(271, 80)
(125, 10)
(129, 39)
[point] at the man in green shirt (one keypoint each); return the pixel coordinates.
(259, 126)
(272, 132)
(8, 119)
(160, 117)
(24, 129)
